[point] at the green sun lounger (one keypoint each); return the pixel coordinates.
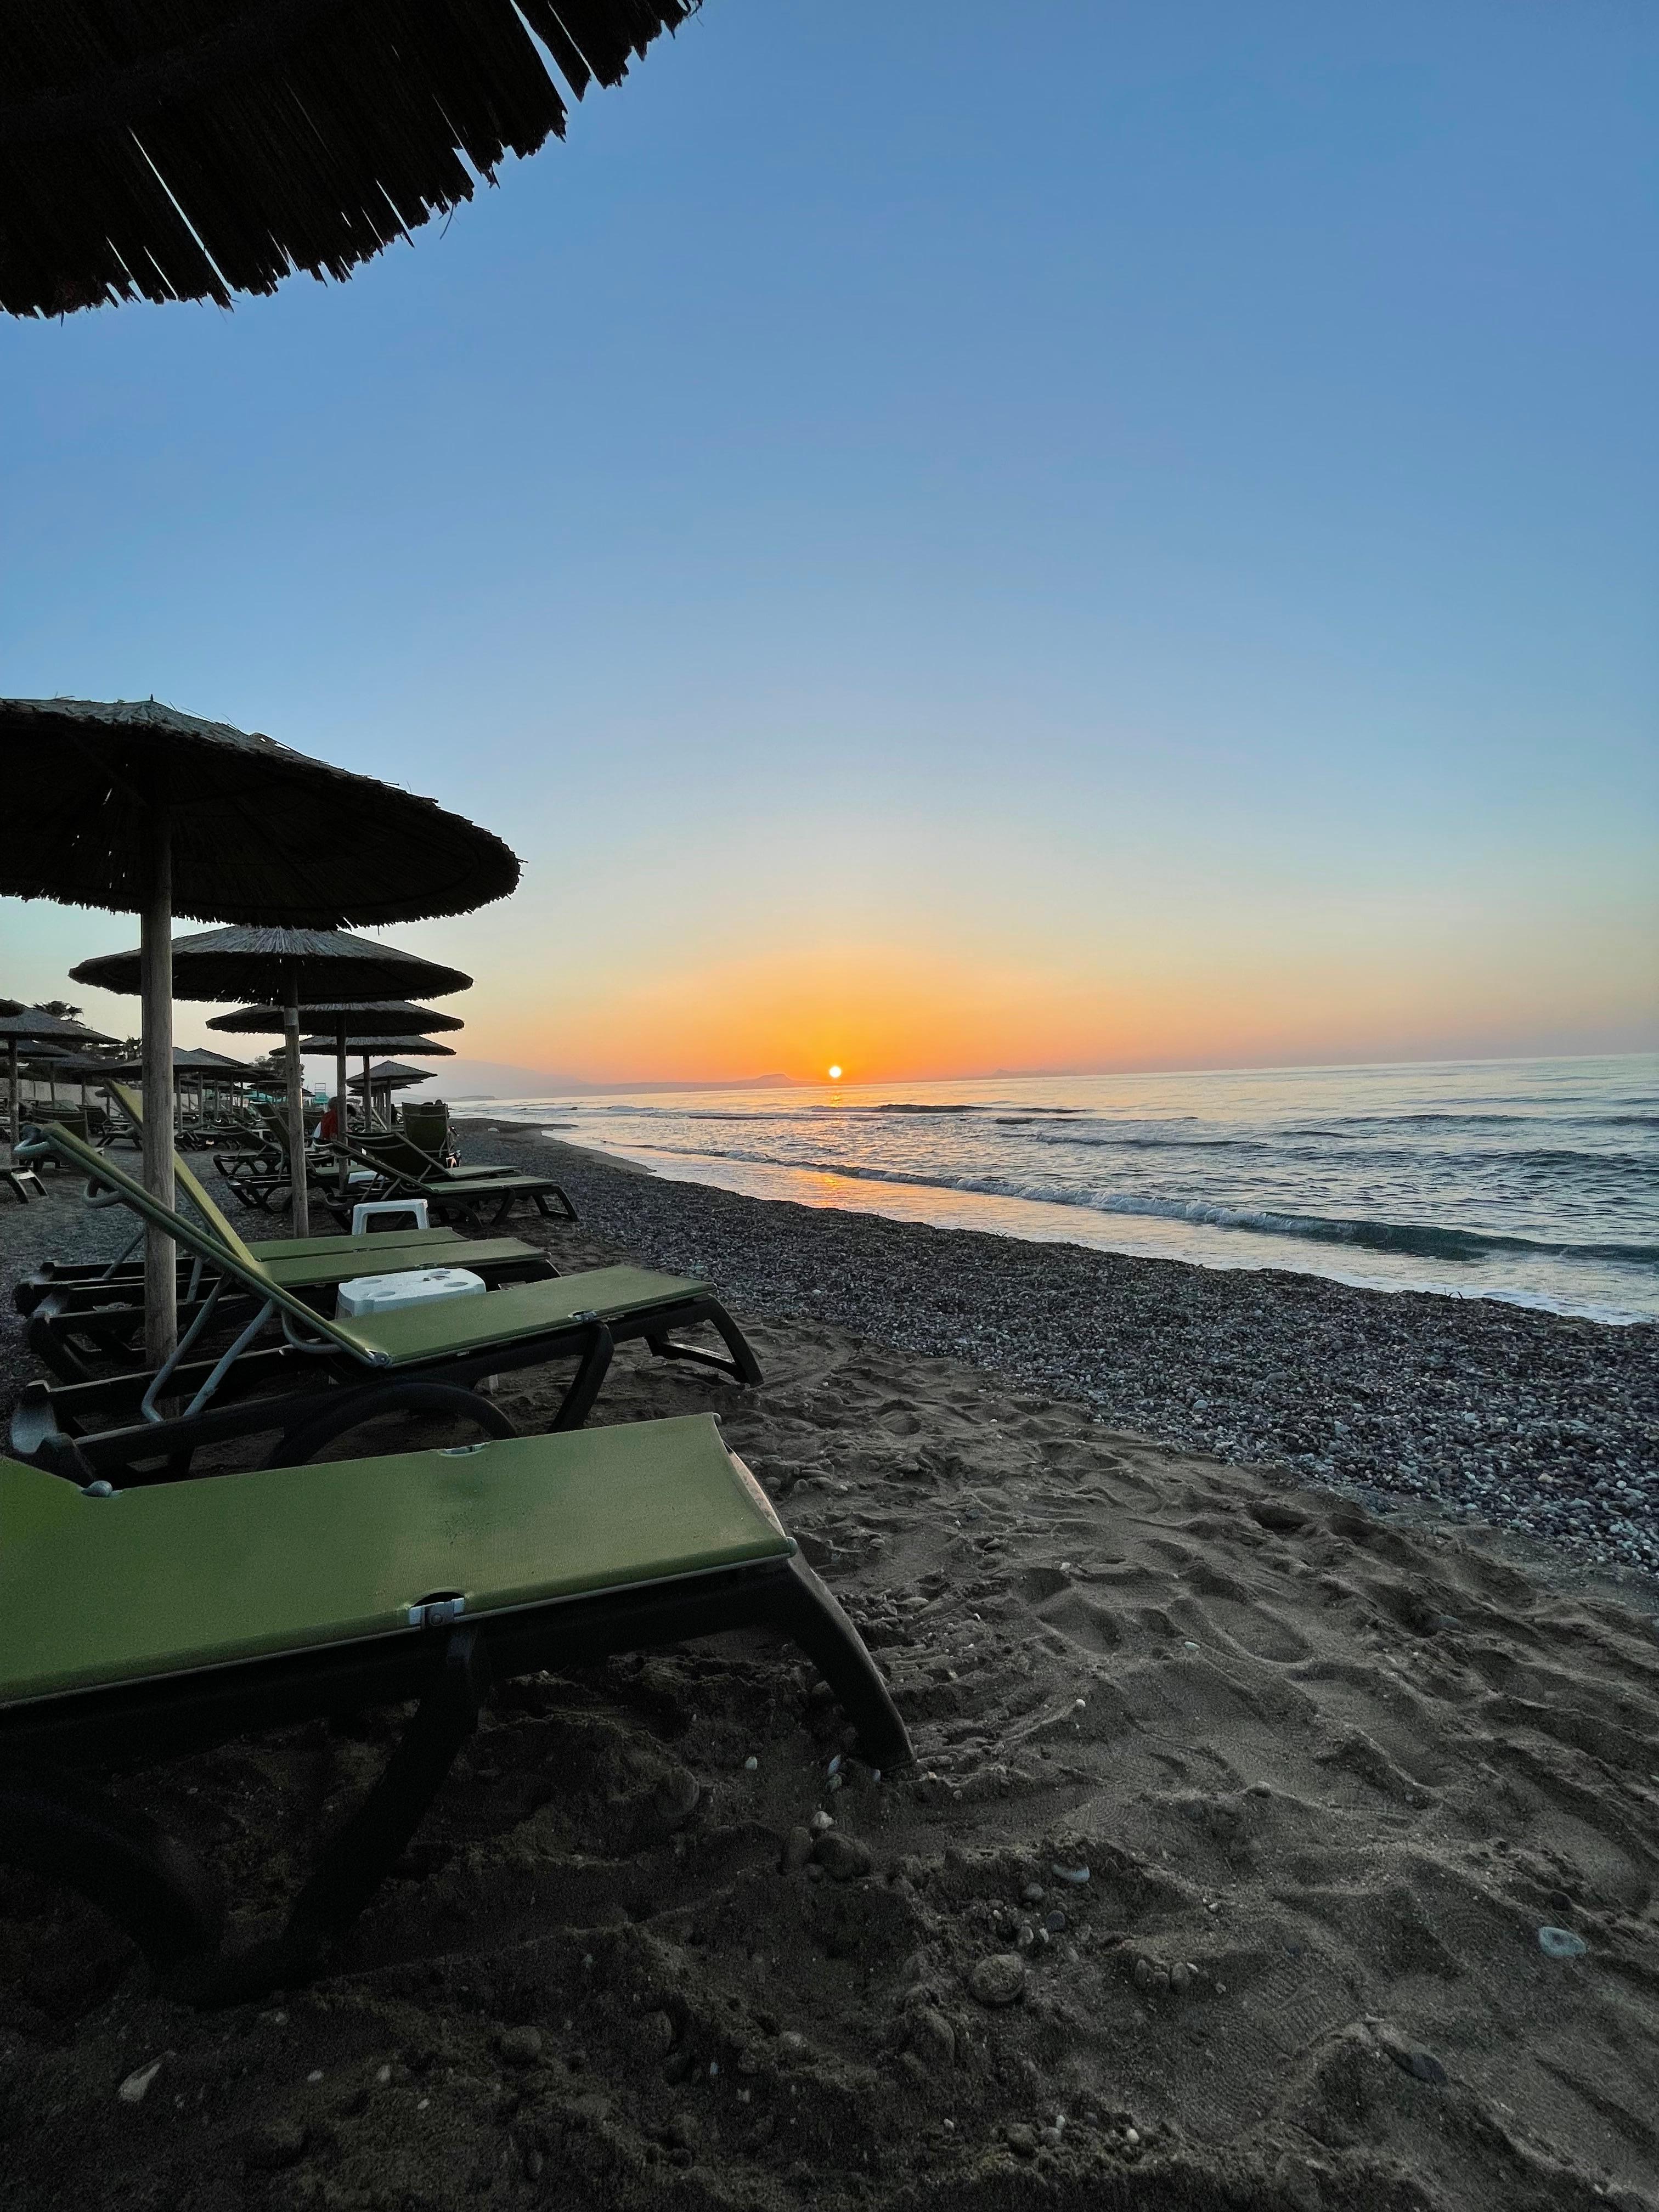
(81, 1327)
(409, 1172)
(152, 1623)
(326, 1375)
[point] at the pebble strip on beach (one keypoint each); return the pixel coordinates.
(1527, 1420)
(1484, 1411)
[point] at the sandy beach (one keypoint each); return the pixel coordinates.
(1313, 1622)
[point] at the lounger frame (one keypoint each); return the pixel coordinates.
(60, 1826)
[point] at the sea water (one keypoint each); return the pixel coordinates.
(1536, 1181)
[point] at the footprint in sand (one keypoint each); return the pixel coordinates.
(1248, 1626)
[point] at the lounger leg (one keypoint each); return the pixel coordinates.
(366, 1848)
(364, 1851)
(585, 1384)
(146, 1880)
(806, 1612)
(741, 1367)
(299, 1446)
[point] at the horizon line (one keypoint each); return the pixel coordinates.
(781, 1082)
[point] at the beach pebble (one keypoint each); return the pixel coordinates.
(656, 2036)
(998, 1979)
(675, 1798)
(1054, 1922)
(792, 2044)
(521, 2046)
(1020, 2139)
(1076, 1876)
(1052, 2138)
(1181, 1976)
(277, 2144)
(1032, 1893)
(932, 2037)
(751, 1765)
(1561, 1943)
(135, 2087)
(843, 1858)
(821, 1820)
(796, 1850)
(1410, 2059)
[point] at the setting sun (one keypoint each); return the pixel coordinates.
(835, 1075)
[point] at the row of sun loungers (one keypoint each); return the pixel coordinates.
(154, 1609)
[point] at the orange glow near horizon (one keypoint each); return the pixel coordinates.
(915, 1013)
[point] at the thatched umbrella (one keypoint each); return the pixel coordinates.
(33, 1025)
(387, 1076)
(374, 1017)
(132, 806)
(292, 966)
(186, 149)
(368, 1046)
(188, 1061)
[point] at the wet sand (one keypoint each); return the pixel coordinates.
(1330, 1771)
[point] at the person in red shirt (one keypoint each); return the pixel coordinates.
(329, 1128)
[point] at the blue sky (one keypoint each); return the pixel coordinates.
(951, 537)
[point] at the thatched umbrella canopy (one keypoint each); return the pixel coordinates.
(186, 149)
(391, 1071)
(295, 966)
(189, 1062)
(133, 805)
(33, 1025)
(367, 1046)
(385, 1077)
(373, 1018)
(423, 1046)
(316, 966)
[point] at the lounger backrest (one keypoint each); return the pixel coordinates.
(427, 1126)
(98, 1168)
(398, 1150)
(133, 1104)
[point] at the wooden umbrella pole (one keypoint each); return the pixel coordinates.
(340, 1094)
(156, 960)
(296, 1112)
(11, 1072)
(368, 1096)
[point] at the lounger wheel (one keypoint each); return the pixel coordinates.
(298, 1446)
(148, 1883)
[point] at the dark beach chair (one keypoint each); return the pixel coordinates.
(409, 1172)
(20, 1179)
(84, 1316)
(263, 1180)
(150, 1623)
(426, 1124)
(327, 1376)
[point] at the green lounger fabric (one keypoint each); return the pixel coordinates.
(389, 1240)
(179, 1576)
(420, 1333)
(318, 1270)
(449, 1325)
(295, 1248)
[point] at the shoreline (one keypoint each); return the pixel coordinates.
(1040, 1221)
(1472, 1410)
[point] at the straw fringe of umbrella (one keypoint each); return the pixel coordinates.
(182, 150)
